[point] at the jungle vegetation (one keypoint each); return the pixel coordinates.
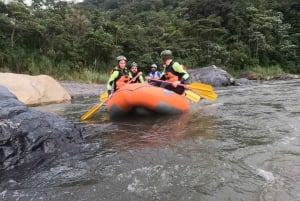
(81, 41)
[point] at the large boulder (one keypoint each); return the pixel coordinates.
(212, 75)
(216, 77)
(29, 137)
(34, 90)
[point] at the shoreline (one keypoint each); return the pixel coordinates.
(86, 90)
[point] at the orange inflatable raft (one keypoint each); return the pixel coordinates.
(144, 99)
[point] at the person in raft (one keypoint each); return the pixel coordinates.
(135, 76)
(119, 76)
(154, 73)
(173, 73)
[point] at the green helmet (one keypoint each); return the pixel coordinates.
(119, 58)
(166, 54)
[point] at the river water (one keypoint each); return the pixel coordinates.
(244, 146)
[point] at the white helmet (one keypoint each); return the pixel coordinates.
(153, 66)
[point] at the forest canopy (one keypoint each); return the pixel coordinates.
(54, 36)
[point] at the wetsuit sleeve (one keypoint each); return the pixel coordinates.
(178, 68)
(162, 75)
(130, 75)
(141, 79)
(111, 80)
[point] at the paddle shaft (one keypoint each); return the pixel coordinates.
(204, 90)
(183, 85)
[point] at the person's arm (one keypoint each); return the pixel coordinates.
(162, 75)
(111, 80)
(141, 78)
(130, 75)
(178, 68)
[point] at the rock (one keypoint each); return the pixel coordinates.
(31, 137)
(34, 90)
(242, 81)
(211, 75)
(216, 77)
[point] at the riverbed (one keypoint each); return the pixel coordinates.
(244, 146)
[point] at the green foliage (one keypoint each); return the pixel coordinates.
(56, 38)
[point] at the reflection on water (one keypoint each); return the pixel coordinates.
(156, 130)
(245, 146)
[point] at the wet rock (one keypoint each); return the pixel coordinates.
(216, 77)
(242, 81)
(28, 136)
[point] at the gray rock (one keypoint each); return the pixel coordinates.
(28, 136)
(215, 76)
(242, 81)
(212, 75)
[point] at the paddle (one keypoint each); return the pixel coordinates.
(103, 99)
(103, 96)
(200, 86)
(204, 90)
(192, 96)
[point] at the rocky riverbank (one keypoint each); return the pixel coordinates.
(212, 75)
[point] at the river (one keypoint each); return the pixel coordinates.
(244, 146)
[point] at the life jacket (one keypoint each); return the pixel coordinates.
(171, 75)
(122, 79)
(133, 75)
(154, 75)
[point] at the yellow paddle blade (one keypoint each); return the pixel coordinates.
(91, 111)
(204, 90)
(200, 87)
(103, 97)
(212, 96)
(192, 96)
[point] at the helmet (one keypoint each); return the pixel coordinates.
(166, 54)
(153, 66)
(133, 64)
(119, 58)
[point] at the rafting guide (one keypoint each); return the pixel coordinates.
(173, 75)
